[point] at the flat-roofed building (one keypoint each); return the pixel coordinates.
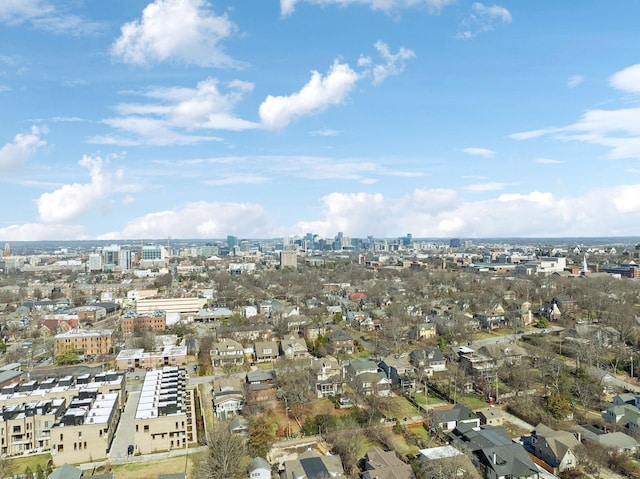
(170, 305)
(26, 427)
(83, 433)
(131, 322)
(138, 358)
(165, 417)
(83, 341)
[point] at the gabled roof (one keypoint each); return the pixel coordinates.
(258, 463)
(508, 460)
(558, 441)
(457, 413)
(66, 471)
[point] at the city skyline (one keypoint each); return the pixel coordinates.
(202, 119)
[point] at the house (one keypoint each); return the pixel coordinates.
(425, 330)
(294, 348)
(556, 448)
(428, 360)
(493, 319)
(372, 384)
(66, 471)
(400, 371)
(259, 468)
(448, 419)
(627, 398)
(228, 399)
(227, 352)
(261, 385)
(615, 442)
(239, 425)
(478, 365)
(502, 353)
(313, 465)
(509, 460)
(265, 351)
(359, 366)
(448, 458)
(341, 342)
(491, 416)
(379, 464)
(594, 333)
(327, 377)
(565, 303)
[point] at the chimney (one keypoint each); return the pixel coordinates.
(493, 457)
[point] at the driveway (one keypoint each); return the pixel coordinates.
(125, 433)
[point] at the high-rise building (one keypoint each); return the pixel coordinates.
(231, 242)
(7, 250)
(288, 259)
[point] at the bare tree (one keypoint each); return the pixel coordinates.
(224, 458)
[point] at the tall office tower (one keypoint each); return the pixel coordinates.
(7, 250)
(454, 243)
(288, 259)
(231, 242)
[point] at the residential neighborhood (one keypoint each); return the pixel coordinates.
(403, 359)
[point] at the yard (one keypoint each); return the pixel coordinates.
(19, 465)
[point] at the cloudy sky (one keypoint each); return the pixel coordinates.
(125, 119)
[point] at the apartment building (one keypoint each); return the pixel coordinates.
(138, 358)
(85, 342)
(36, 415)
(131, 322)
(165, 417)
(170, 305)
(83, 433)
(26, 427)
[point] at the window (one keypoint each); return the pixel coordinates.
(146, 428)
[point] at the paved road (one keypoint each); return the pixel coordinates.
(125, 433)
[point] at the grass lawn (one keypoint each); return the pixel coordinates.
(473, 401)
(399, 407)
(145, 470)
(427, 400)
(19, 464)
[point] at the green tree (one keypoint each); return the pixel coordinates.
(261, 436)
(225, 456)
(67, 356)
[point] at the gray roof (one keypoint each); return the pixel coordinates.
(66, 471)
(258, 463)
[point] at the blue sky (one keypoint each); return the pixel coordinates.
(133, 119)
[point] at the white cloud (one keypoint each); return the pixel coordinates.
(237, 180)
(394, 62)
(174, 113)
(44, 15)
(199, 220)
(488, 186)
(319, 93)
(325, 132)
(528, 135)
(627, 80)
(14, 155)
(547, 161)
(443, 213)
(483, 18)
(42, 232)
(483, 152)
(287, 7)
(574, 80)
(71, 201)
(181, 31)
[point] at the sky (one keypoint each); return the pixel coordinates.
(129, 119)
